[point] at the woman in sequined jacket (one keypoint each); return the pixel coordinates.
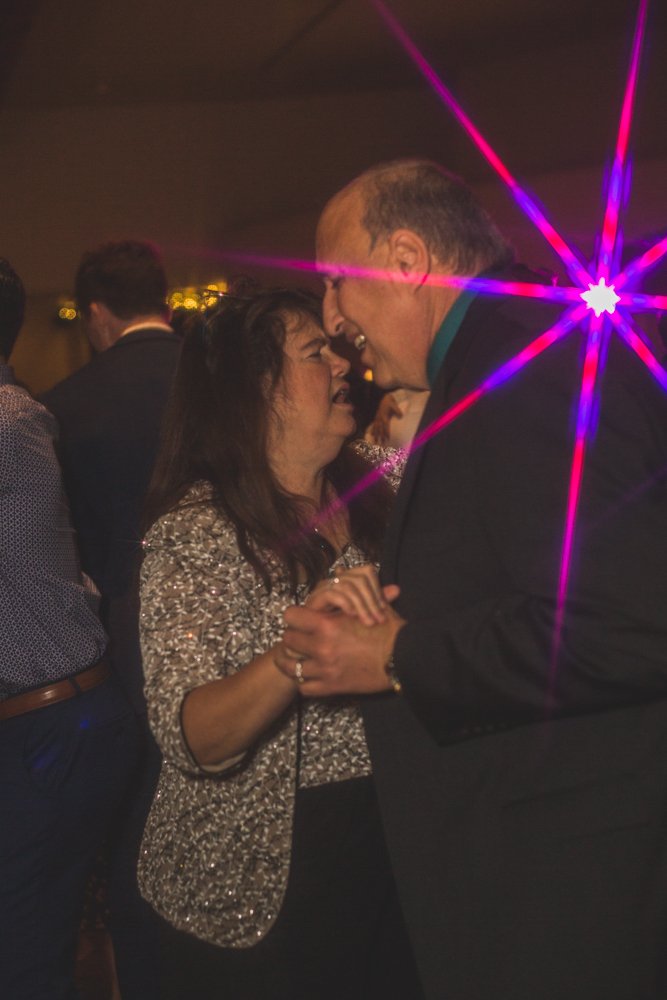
(263, 851)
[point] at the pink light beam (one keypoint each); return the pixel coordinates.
(636, 344)
(583, 428)
(637, 300)
(643, 263)
(600, 298)
(574, 266)
(616, 180)
(560, 329)
(489, 286)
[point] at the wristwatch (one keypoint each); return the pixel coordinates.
(394, 680)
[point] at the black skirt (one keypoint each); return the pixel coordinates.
(340, 933)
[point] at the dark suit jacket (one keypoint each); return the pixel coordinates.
(109, 414)
(524, 807)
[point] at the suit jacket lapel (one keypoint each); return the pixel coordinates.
(432, 411)
(438, 402)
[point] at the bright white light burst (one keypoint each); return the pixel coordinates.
(601, 298)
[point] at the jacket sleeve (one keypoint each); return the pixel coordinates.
(194, 621)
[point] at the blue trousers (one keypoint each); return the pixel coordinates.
(64, 770)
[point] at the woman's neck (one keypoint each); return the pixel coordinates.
(327, 517)
(303, 482)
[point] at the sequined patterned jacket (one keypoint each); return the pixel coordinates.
(216, 848)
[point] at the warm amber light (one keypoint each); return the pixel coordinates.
(202, 298)
(67, 311)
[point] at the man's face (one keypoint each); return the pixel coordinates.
(382, 317)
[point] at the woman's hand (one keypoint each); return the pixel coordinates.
(355, 592)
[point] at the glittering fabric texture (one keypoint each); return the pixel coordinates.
(215, 854)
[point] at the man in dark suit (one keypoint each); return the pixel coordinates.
(109, 414)
(520, 760)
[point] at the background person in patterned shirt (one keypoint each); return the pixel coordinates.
(68, 738)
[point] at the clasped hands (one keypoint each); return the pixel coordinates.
(340, 640)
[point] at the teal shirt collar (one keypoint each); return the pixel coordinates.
(446, 333)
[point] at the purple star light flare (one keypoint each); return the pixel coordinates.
(608, 294)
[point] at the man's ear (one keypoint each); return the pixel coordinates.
(410, 256)
(101, 326)
(99, 313)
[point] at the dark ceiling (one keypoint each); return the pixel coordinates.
(315, 89)
(57, 53)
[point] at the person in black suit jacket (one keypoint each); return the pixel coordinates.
(521, 767)
(109, 413)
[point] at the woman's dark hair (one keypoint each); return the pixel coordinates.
(216, 430)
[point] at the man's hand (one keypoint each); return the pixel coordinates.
(336, 653)
(378, 432)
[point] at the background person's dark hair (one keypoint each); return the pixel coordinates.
(127, 277)
(12, 307)
(216, 430)
(422, 196)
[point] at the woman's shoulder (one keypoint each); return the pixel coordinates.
(194, 517)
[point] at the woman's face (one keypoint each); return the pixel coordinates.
(313, 414)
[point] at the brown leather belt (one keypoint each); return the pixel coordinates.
(49, 694)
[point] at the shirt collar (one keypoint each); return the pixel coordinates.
(148, 325)
(7, 375)
(446, 333)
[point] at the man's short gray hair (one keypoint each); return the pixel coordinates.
(422, 196)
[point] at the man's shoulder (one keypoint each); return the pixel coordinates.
(72, 385)
(512, 307)
(26, 426)
(18, 406)
(148, 334)
(146, 340)
(150, 352)
(498, 326)
(147, 355)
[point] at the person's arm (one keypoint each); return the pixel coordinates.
(224, 718)
(378, 431)
(210, 694)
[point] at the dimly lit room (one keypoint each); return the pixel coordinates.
(348, 575)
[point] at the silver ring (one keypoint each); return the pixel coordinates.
(298, 672)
